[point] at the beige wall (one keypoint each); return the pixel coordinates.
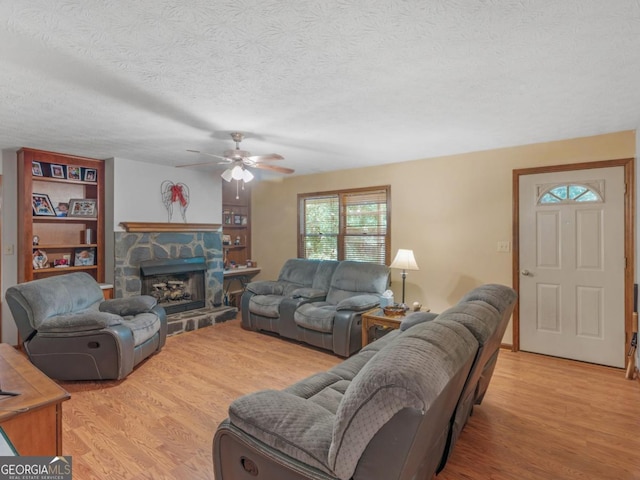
(451, 211)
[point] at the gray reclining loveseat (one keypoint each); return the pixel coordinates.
(70, 332)
(386, 413)
(319, 302)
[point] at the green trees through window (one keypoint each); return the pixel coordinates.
(345, 225)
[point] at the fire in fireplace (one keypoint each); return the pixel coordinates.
(177, 283)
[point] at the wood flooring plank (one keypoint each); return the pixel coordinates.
(543, 418)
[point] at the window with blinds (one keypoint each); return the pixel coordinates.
(345, 225)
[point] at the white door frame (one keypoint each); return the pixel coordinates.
(629, 242)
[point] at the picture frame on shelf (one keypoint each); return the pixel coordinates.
(90, 175)
(84, 257)
(226, 239)
(237, 219)
(74, 173)
(57, 171)
(36, 169)
(62, 210)
(82, 207)
(42, 206)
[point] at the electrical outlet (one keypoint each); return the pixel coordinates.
(504, 247)
(8, 249)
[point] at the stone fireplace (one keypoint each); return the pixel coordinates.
(143, 248)
(177, 283)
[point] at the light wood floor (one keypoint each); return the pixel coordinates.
(542, 418)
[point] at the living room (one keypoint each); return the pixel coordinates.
(448, 161)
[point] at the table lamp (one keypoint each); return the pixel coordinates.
(406, 261)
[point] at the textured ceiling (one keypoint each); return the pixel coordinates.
(329, 84)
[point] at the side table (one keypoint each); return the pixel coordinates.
(33, 419)
(377, 318)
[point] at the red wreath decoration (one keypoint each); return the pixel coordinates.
(175, 192)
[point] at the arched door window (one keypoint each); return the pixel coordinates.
(569, 193)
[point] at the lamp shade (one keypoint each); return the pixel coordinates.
(226, 175)
(404, 260)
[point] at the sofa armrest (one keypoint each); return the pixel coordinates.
(359, 303)
(310, 294)
(82, 321)
(266, 287)
(290, 424)
(129, 306)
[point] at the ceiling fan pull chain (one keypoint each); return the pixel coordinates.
(237, 193)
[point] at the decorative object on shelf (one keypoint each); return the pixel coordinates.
(42, 205)
(237, 242)
(88, 236)
(84, 257)
(40, 259)
(90, 175)
(249, 263)
(35, 240)
(82, 207)
(404, 260)
(57, 171)
(175, 192)
(226, 239)
(61, 263)
(74, 173)
(36, 169)
(62, 210)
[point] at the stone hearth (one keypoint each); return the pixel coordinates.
(199, 318)
(136, 246)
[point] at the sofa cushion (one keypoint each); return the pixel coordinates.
(317, 316)
(297, 427)
(82, 321)
(308, 387)
(394, 379)
(498, 296)
(415, 318)
(59, 295)
(129, 305)
(480, 318)
(266, 305)
(354, 278)
(359, 303)
(266, 287)
(143, 326)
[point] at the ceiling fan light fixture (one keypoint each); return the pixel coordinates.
(236, 172)
(226, 175)
(247, 176)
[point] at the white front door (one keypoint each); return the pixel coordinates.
(572, 264)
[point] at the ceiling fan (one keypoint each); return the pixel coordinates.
(239, 161)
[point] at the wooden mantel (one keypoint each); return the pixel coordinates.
(136, 227)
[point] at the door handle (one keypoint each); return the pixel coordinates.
(526, 273)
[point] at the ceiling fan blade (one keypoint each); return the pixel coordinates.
(194, 164)
(208, 154)
(265, 158)
(275, 168)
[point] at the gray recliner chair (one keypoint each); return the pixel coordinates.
(70, 332)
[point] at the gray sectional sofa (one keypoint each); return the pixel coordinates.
(393, 411)
(318, 302)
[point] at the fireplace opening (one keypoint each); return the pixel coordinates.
(177, 283)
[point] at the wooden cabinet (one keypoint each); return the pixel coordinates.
(48, 184)
(33, 419)
(236, 222)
